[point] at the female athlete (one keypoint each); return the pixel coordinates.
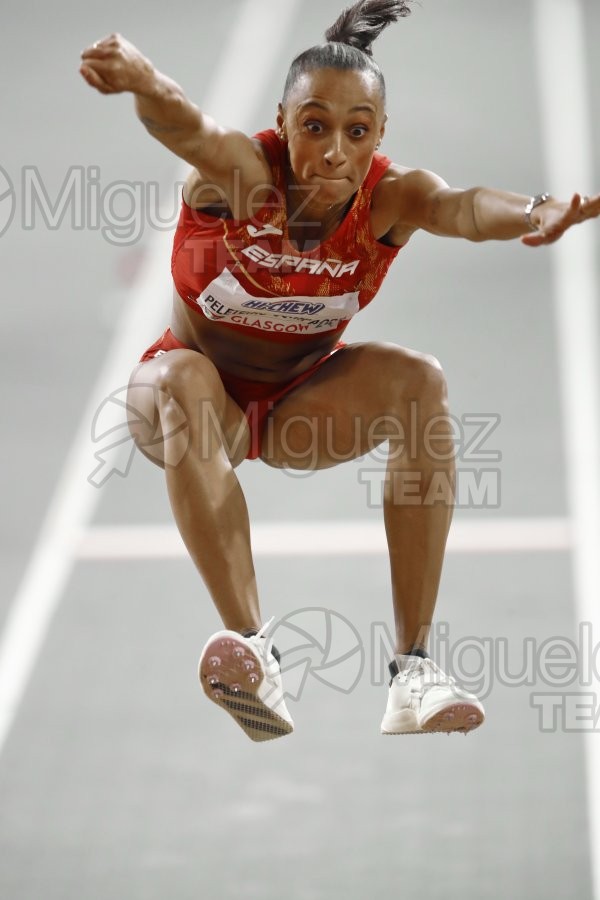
(282, 238)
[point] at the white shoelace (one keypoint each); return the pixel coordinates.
(265, 651)
(420, 671)
(263, 628)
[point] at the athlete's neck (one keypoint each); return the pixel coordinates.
(311, 221)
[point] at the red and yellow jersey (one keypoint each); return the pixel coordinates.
(248, 276)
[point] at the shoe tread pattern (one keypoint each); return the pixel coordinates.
(244, 705)
(461, 718)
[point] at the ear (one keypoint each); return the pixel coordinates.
(382, 129)
(280, 117)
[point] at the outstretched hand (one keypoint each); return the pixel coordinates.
(555, 219)
(114, 65)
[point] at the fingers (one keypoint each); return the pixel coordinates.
(590, 207)
(92, 59)
(579, 210)
(573, 213)
(94, 79)
(103, 48)
(94, 52)
(113, 65)
(585, 208)
(535, 239)
(548, 236)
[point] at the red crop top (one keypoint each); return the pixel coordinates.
(246, 275)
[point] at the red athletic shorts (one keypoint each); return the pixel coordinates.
(256, 399)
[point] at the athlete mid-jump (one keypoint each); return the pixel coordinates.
(283, 237)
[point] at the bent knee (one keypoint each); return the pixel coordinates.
(172, 385)
(428, 385)
(161, 396)
(177, 402)
(413, 375)
(186, 374)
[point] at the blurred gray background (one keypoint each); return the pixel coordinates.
(117, 778)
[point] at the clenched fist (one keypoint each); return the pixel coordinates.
(114, 65)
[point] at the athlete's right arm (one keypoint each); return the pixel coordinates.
(113, 65)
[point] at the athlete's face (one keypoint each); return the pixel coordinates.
(333, 122)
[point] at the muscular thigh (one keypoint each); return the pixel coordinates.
(359, 398)
(168, 402)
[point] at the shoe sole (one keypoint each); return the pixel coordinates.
(460, 718)
(231, 675)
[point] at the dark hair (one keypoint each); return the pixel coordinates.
(349, 41)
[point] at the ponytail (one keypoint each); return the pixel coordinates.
(360, 25)
(349, 42)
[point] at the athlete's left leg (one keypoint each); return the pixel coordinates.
(363, 395)
(366, 394)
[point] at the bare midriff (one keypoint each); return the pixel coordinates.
(245, 355)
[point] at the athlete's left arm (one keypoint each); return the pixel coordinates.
(482, 214)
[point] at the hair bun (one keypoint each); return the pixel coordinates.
(360, 25)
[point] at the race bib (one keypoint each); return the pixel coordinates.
(225, 300)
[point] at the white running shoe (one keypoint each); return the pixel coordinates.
(423, 699)
(242, 676)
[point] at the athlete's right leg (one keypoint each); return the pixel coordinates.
(182, 419)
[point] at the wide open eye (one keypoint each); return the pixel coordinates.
(358, 131)
(313, 126)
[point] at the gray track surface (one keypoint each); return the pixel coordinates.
(119, 780)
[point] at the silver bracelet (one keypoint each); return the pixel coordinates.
(533, 203)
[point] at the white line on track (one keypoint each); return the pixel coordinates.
(328, 538)
(145, 316)
(566, 132)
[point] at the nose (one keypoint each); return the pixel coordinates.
(335, 155)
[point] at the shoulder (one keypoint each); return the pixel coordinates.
(401, 182)
(268, 147)
(400, 192)
(248, 170)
